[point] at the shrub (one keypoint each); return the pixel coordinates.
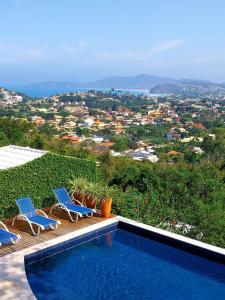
(162, 193)
(37, 178)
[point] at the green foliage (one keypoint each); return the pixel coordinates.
(16, 131)
(37, 143)
(138, 131)
(215, 149)
(3, 139)
(64, 147)
(71, 98)
(121, 143)
(158, 133)
(80, 186)
(98, 190)
(47, 129)
(156, 194)
(37, 178)
(79, 131)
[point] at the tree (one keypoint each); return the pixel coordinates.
(47, 129)
(121, 143)
(17, 131)
(79, 131)
(3, 139)
(37, 143)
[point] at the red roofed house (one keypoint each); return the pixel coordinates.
(72, 138)
(198, 126)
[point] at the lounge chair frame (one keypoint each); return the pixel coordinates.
(70, 212)
(6, 229)
(31, 223)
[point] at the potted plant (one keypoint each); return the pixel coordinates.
(92, 192)
(78, 189)
(83, 190)
(105, 198)
(91, 195)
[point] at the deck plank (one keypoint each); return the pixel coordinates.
(29, 240)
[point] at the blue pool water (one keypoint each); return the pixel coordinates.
(124, 265)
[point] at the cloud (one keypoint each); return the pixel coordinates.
(34, 52)
(42, 52)
(118, 55)
(167, 45)
(74, 48)
(141, 55)
(13, 53)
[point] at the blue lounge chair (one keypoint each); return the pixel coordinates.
(29, 214)
(7, 237)
(65, 203)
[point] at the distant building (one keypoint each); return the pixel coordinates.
(38, 120)
(175, 153)
(213, 136)
(198, 126)
(88, 122)
(197, 150)
(72, 138)
(143, 155)
(98, 139)
(187, 140)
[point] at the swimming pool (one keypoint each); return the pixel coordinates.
(121, 264)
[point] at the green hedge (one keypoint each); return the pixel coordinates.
(37, 178)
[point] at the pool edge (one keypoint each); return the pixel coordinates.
(12, 266)
(179, 241)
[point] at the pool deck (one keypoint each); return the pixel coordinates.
(29, 240)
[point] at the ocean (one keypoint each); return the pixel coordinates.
(49, 92)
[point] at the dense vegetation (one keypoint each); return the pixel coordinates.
(183, 190)
(165, 195)
(37, 178)
(14, 131)
(110, 100)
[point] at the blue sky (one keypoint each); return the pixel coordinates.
(84, 40)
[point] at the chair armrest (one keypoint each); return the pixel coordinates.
(74, 199)
(78, 202)
(4, 226)
(42, 212)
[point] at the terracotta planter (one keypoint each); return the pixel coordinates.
(90, 202)
(79, 197)
(106, 206)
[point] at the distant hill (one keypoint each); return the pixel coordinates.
(203, 83)
(141, 81)
(189, 88)
(53, 85)
(167, 89)
(155, 84)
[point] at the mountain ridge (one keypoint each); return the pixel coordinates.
(140, 81)
(152, 83)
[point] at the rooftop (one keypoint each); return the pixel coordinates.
(12, 156)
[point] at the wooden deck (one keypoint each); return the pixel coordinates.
(28, 240)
